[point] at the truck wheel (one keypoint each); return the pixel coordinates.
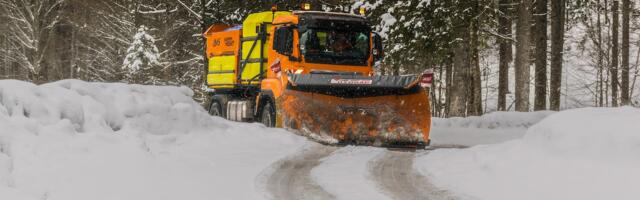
(215, 109)
(268, 115)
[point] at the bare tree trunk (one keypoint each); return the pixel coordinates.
(635, 78)
(606, 89)
(557, 46)
(506, 51)
(476, 80)
(460, 74)
(624, 86)
(540, 32)
(448, 91)
(522, 67)
(600, 56)
(606, 53)
(475, 103)
(3, 58)
(16, 71)
(64, 42)
(439, 107)
(614, 54)
(396, 70)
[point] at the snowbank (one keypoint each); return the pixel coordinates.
(73, 140)
(494, 120)
(490, 128)
(584, 154)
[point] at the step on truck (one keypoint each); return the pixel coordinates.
(312, 72)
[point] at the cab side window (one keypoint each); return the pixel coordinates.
(283, 41)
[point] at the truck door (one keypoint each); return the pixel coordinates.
(283, 44)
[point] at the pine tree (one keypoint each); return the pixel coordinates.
(142, 64)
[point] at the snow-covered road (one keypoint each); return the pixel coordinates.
(353, 172)
(321, 172)
(394, 173)
(291, 177)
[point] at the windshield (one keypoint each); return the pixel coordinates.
(335, 46)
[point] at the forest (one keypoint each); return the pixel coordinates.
(487, 55)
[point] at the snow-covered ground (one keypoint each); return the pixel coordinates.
(77, 140)
(491, 128)
(588, 153)
(345, 173)
(73, 140)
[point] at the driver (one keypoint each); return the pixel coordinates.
(310, 42)
(341, 43)
(362, 42)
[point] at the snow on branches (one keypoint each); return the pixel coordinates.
(142, 60)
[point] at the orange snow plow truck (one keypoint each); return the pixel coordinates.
(312, 73)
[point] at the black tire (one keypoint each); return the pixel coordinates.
(218, 105)
(268, 115)
(216, 109)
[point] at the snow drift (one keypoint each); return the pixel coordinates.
(491, 128)
(586, 153)
(75, 140)
(494, 120)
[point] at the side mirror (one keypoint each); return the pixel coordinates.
(377, 50)
(426, 79)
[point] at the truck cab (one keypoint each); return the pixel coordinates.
(314, 42)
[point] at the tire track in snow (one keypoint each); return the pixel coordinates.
(291, 180)
(345, 173)
(394, 173)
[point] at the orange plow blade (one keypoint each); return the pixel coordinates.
(375, 114)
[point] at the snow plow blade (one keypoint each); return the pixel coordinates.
(388, 111)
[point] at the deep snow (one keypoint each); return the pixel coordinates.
(588, 153)
(75, 140)
(490, 128)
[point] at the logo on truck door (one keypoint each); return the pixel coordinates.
(228, 41)
(351, 81)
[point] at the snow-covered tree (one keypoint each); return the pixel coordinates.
(30, 26)
(142, 62)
